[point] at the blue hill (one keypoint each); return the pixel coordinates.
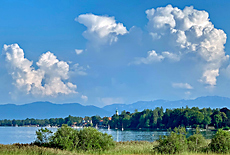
(42, 110)
(201, 102)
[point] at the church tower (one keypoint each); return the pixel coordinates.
(117, 112)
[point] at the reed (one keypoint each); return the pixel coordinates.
(128, 148)
(27, 149)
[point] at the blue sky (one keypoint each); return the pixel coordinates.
(105, 52)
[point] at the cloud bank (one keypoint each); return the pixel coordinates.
(187, 31)
(50, 79)
(101, 29)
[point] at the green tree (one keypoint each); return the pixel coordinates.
(126, 121)
(207, 121)
(142, 121)
(105, 121)
(96, 119)
(217, 120)
(155, 117)
(147, 123)
(196, 117)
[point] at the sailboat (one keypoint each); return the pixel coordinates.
(122, 129)
(96, 126)
(108, 127)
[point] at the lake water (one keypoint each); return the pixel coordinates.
(10, 135)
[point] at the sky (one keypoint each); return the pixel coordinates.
(105, 52)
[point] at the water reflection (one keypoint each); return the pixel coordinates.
(145, 135)
(134, 135)
(9, 135)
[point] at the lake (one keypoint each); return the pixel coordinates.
(10, 135)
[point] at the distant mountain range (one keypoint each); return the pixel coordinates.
(41, 110)
(201, 102)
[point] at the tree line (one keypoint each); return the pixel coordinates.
(157, 118)
(70, 120)
(171, 118)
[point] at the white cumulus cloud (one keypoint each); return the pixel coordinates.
(155, 57)
(209, 77)
(182, 85)
(101, 29)
(48, 80)
(189, 31)
(171, 56)
(152, 57)
(83, 97)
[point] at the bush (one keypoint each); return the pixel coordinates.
(174, 143)
(196, 142)
(92, 139)
(68, 138)
(43, 137)
(65, 138)
(220, 143)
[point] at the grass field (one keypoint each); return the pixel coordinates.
(131, 147)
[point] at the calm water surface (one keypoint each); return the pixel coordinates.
(10, 135)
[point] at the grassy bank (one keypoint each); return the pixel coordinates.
(23, 149)
(132, 147)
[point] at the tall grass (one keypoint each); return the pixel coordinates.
(27, 149)
(130, 147)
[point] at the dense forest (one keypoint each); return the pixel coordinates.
(171, 118)
(157, 118)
